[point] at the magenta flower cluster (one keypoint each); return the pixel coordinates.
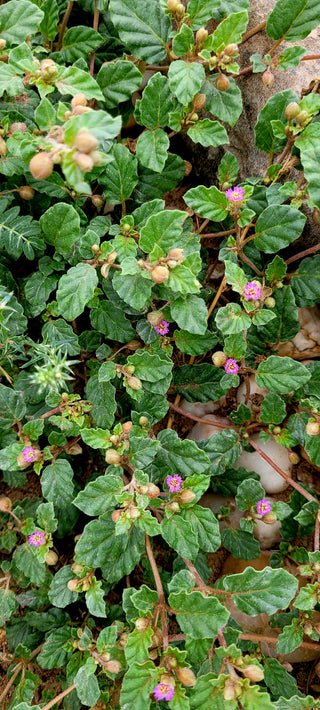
(174, 483)
(163, 691)
(37, 538)
(252, 291)
(263, 507)
(235, 194)
(231, 366)
(29, 454)
(162, 328)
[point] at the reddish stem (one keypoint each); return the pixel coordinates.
(160, 591)
(219, 234)
(56, 410)
(64, 23)
(199, 419)
(316, 545)
(95, 27)
(306, 252)
(260, 638)
(59, 697)
(284, 475)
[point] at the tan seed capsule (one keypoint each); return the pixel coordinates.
(222, 82)
(73, 585)
(267, 78)
(126, 427)
(172, 5)
(201, 35)
(3, 147)
(51, 558)
(186, 676)
(179, 11)
(85, 141)
(199, 101)
(155, 317)
(313, 428)
(291, 111)
(134, 383)
(3, 43)
(113, 666)
(26, 192)
(134, 513)
(77, 568)
(116, 515)
(105, 268)
(78, 100)
(5, 504)
(142, 623)
(143, 421)
(174, 506)
(294, 458)
(219, 358)
(153, 491)
(84, 162)
(79, 110)
(160, 274)
(97, 200)
(112, 457)
(187, 496)
(254, 673)
(41, 166)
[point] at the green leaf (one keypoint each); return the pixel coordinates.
(101, 124)
(120, 176)
(278, 680)
(307, 597)
(150, 367)
(273, 110)
(138, 642)
(9, 81)
(281, 374)
(118, 80)
(12, 407)
(240, 543)
(79, 41)
(306, 282)
(290, 638)
(117, 555)
(59, 593)
(190, 314)
(186, 79)
(53, 653)
(145, 33)
(183, 41)
(253, 697)
(229, 31)
(75, 289)
(106, 318)
(292, 21)
(235, 276)
(161, 232)
(275, 229)
(20, 234)
(95, 599)
(208, 202)
(61, 335)
(132, 288)
(151, 149)
(137, 685)
(200, 11)
(49, 24)
(18, 19)
(273, 409)
(72, 80)
(45, 114)
(87, 686)
(102, 396)
(61, 227)
(223, 450)
(57, 483)
(178, 534)
(27, 562)
(225, 105)
(261, 592)
(205, 526)
(152, 185)
(276, 270)
(181, 456)
(235, 346)
(99, 495)
(142, 451)
(263, 317)
(291, 57)
(285, 324)
(208, 133)
(310, 159)
(198, 383)
(46, 517)
(232, 319)
(228, 168)
(194, 344)
(154, 108)
(97, 438)
(8, 605)
(198, 616)
(248, 494)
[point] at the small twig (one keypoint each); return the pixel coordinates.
(201, 584)
(199, 419)
(158, 67)
(58, 698)
(306, 252)
(11, 681)
(284, 475)
(64, 24)
(56, 410)
(260, 638)
(218, 234)
(253, 31)
(285, 151)
(95, 27)
(248, 261)
(160, 591)
(217, 296)
(316, 544)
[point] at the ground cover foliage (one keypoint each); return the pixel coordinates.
(105, 323)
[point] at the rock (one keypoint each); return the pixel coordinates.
(308, 338)
(256, 393)
(271, 481)
(204, 431)
(267, 534)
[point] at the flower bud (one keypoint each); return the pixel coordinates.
(97, 200)
(85, 141)
(115, 439)
(2, 43)
(84, 162)
(176, 254)
(269, 518)
(105, 657)
(153, 491)
(41, 166)
(174, 506)
(134, 513)
(222, 82)
(143, 421)
(77, 568)
(186, 676)
(112, 457)
(187, 496)
(171, 263)
(142, 623)
(293, 458)
(199, 101)
(292, 110)
(26, 192)
(157, 638)
(3, 147)
(313, 428)
(267, 78)
(172, 5)
(219, 358)
(105, 268)
(5, 504)
(229, 692)
(79, 110)
(270, 302)
(78, 100)
(231, 49)
(155, 317)
(73, 585)
(179, 13)
(201, 36)
(51, 557)
(134, 383)
(160, 274)
(254, 673)
(85, 585)
(126, 427)
(113, 666)
(308, 628)
(45, 63)
(123, 640)
(302, 117)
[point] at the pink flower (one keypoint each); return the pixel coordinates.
(29, 454)
(231, 366)
(263, 507)
(252, 290)
(37, 538)
(162, 328)
(163, 691)
(174, 483)
(235, 194)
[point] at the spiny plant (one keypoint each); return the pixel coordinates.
(108, 317)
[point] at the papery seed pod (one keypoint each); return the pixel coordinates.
(105, 268)
(187, 496)
(172, 5)
(143, 421)
(180, 11)
(155, 317)
(5, 504)
(84, 162)
(77, 568)
(97, 157)
(176, 254)
(134, 513)
(186, 677)
(219, 358)
(85, 141)
(3, 43)
(270, 302)
(254, 673)
(201, 35)
(105, 657)
(160, 274)
(78, 100)
(26, 192)
(73, 585)
(171, 263)
(41, 166)
(79, 110)
(153, 491)
(231, 49)
(123, 640)
(302, 117)
(313, 428)
(116, 515)
(174, 506)
(3, 147)
(292, 110)
(308, 628)
(269, 518)
(18, 126)
(199, 101)
(267, 78)
(229, 692)
(45, 63)
(134, 383)
(113, 666)
(294, 458)
(97, 200)
(222, 82)
(112, 457)
(51, 558)
(142, 623)
(316, 216)
(126, 427)
(133, 344)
